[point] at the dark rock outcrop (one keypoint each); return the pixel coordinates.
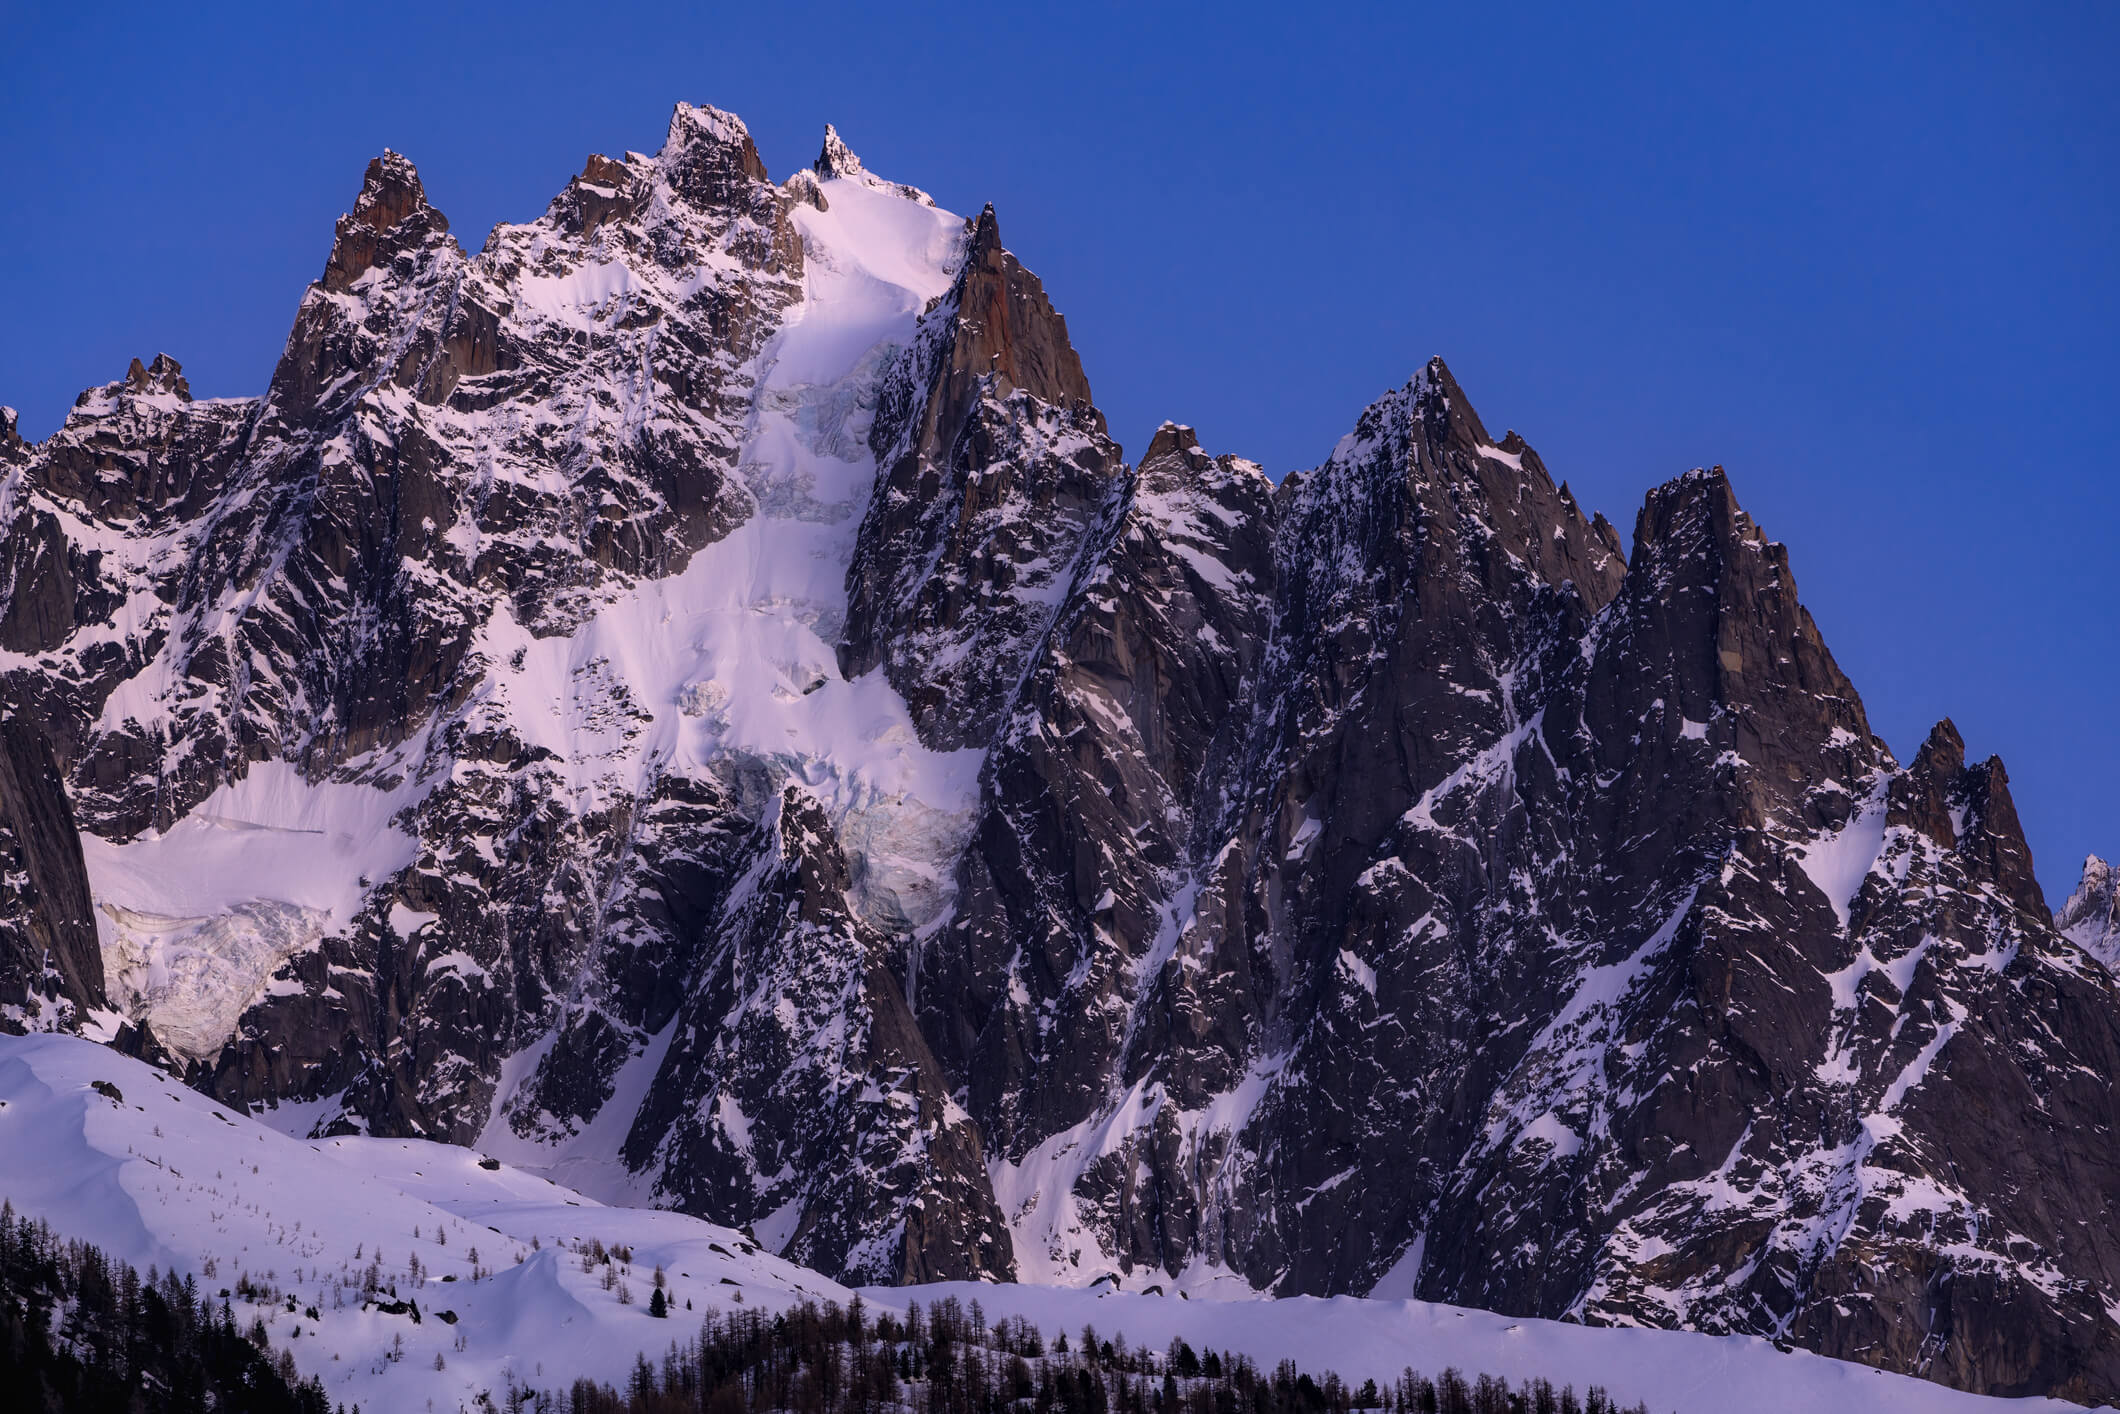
(994, 476)
(51, 969)
(832, 1120)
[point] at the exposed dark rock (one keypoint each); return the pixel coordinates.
(823, 1084)
(51, 969)
(995, 476)
(835, 158)
(390, 217)
(13, 450)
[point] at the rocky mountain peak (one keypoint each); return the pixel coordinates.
(164, 375)
(1743, 646)
(1419, 470)
(1993, 838)
(836, 159)
(837, 162)
(12, 448)
(1175, 462)
(2091, 917)
(1007, 326)
(1173, 459)
(1171, 439)
(1922, 795)
(996, 474)
(607, 189)
(390, 192)
(1445, 411)
(1691, 513)
(708, 156)
(390, 215)
(1967, 810)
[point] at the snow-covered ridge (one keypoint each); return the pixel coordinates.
(158, 1174)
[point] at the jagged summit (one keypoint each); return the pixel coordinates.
(164, 375)
(837, 162)
(389, 217)
(708, 157)
(1006, 325)
(1170, 438)
(836, 159)
(691, 697)
(696, 123)
(2091, 917)
(390, 191)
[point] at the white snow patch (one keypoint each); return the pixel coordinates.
(194, 920)
(1838, 863)
(169, 1177)
(1375, 1339)
(1363, 974)
(1549, 1128)
(1404, 1275)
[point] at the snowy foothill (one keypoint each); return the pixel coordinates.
(541, 1285)
(156, 1174)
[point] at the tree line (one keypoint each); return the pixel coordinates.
(827, 1359)
(83, 1333)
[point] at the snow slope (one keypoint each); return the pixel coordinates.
(168, 1177)
(165, 1176)
(1361, 1339)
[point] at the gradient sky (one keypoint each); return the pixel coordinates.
(1865, 256)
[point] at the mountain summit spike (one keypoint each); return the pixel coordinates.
(390, 213)
(835, 158)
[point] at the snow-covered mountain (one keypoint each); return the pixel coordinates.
(2091, 917)
(522, 1281)
(691, 700)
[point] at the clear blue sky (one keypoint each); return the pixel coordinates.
(1864, 256)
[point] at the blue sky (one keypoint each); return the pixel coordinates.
(1862, 256)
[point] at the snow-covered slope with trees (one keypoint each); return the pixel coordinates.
(522, 1282)
(692, 700)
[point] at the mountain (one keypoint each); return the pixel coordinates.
(692, 700)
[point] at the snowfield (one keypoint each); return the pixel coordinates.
(160, 1175)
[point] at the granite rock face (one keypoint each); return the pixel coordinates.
(993, 475)
(51, 968)
(692, 697)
